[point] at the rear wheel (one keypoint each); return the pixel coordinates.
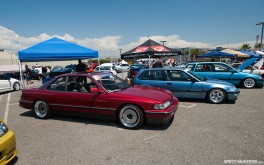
(42, 110)
(249, 83)
(131, 116)
(216, 96)
(16, 86)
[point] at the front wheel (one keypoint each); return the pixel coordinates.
(16, 86)
(216, 96)
(249, 83)
(131, 116)
(42, 110)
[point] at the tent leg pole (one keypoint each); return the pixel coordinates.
(149, 61)
(98, 63)
(21, 76)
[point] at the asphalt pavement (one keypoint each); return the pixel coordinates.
(201, 133)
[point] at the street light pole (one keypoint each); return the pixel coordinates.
(163, 42)
(261, 23)
(120, 51)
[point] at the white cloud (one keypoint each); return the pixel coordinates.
(107, 46)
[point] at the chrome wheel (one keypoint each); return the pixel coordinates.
(216, 96)
(131, 116)
(16, 86)
(41, 109)
(249, 83)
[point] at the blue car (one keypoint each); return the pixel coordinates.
(185, 84)
(222, 71)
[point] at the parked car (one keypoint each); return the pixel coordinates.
(185, 84)
(105, 69)
(9, 84)
(133, 71)
(249, 66)
(222, 71)
(117, 69)
(72, 67)
(123, 67)
(55, 73)
(8, 149)
(101, 95)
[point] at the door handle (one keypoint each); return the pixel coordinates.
(169, 83)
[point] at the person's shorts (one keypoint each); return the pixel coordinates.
(28, 78)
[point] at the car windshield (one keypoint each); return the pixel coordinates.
(197, 76)
(111, 82)
(104, 68)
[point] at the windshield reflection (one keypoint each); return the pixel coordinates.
(111, 82)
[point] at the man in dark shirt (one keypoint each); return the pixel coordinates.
(81, 67)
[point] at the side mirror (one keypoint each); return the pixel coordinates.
(95, 90)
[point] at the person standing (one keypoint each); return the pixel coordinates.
(28, 75)
(81, 67)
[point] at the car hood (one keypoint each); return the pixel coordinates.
(246, 63)
(215, 81)
(146, 92)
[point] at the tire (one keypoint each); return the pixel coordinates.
(131, 116)
(42, 110)
(216, 96)
(249, 83)
(16, 86)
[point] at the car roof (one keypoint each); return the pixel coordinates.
(166, 68)
(206, 62)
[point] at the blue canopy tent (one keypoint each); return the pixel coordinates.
(252, 55)
(55, 49)
(215, 53)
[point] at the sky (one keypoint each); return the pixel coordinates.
(110, 25)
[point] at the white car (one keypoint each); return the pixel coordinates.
(123, 67)
(248, 68)
(8, 84)
(105, 68)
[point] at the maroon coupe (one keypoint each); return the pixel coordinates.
(100, 95)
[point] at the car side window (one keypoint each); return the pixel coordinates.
(222, 68)
(203, 68)
(177, 75)
(58, 85)
(151, 75)
(79, 84)
(189, 67)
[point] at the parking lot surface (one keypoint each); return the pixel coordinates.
(201, 133)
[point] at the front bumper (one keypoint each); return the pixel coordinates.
(7, 147)
(260, 83)
(160, 117)
(233, 96)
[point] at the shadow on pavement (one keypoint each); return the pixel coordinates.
(96, 121)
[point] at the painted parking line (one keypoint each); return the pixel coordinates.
(186, 105)
(7, 108)
(151, 137)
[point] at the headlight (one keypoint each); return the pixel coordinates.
(162, 106)
(3, 129)
(232, 89)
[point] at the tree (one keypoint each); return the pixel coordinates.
(258, 46)
(245, 47)
(194, 52)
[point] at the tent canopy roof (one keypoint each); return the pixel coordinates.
(237, 53)
(150, 48)
(216, 54)
(56, 49)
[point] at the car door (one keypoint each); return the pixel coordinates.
(183, 85)
(226, 73)
(79, 100)
(5, 84)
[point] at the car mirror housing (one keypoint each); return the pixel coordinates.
(95, 90)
